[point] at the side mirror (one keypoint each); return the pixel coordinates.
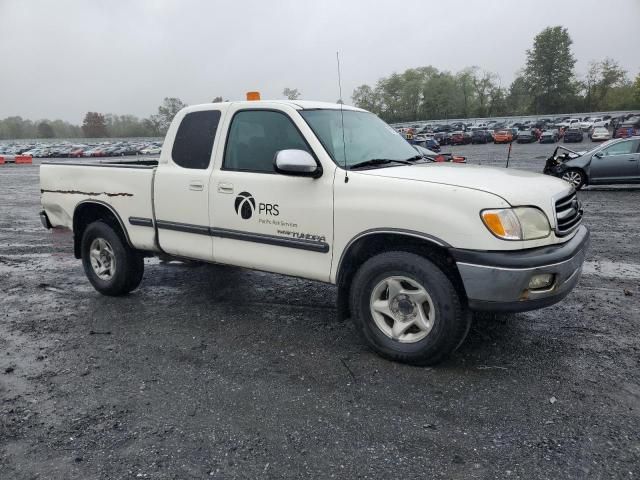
(598, 155)
(297, 162)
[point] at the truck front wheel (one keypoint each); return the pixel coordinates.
(407, 309)
(112, 267)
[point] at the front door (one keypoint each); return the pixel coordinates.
(619, 163)
(262, 219)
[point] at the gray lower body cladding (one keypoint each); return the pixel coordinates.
(499, 281)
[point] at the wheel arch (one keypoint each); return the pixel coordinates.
(89, 211)
(583, 169)
(373, 242)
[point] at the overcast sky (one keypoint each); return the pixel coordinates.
(62, 58)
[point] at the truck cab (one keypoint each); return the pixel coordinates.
(330, 193)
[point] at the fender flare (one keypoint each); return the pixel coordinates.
(76, 246)
(394, 231)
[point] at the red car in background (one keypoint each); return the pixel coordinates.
(628, 129)
(76, 152)
(460, 138)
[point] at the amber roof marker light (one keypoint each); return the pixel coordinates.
(251, 96)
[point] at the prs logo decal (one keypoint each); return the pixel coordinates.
(245, 205)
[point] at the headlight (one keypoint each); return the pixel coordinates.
(521, 223)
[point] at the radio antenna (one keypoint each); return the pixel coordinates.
(344, 145)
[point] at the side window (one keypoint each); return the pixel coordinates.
(254, 138)
(621, 148)
(194, 139)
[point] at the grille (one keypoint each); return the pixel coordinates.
(568, 214)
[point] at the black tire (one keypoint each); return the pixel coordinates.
(452, 318)
(129, 264)
(575, 173)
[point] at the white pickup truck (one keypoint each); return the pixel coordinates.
(333, 194)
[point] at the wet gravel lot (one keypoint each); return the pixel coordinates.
(218, 372)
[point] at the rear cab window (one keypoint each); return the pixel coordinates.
(194, 139)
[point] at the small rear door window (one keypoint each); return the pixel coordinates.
(194, 140)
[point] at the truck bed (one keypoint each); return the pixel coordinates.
(125, 187)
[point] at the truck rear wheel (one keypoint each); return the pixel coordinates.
(112, 267)
(407, 309)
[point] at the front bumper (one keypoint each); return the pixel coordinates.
(499, 281)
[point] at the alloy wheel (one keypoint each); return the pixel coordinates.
(402, 309)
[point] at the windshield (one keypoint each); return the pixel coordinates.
(366, 137)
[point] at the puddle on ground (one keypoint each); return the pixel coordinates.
(608, 269)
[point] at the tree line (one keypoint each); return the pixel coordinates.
(95, 125)
(546, 84)
(99, 125)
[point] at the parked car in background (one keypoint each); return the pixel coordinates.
(549, 136)
(503, 136)
(151, 150)
(615, 161)
(628, 128)
(76, 152)
(439, 157)
(440, 137)
(573, 135)
(432, 144)
(526, 136)
(600, 134)
(569, 123)
(457, 138)
(589, 123)
(480, 136)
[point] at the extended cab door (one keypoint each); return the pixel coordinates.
(266, 220)
(617, 163)
(181, 185)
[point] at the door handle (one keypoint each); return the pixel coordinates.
(196, 186)
(225, 187)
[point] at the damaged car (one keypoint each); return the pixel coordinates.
(615, 161)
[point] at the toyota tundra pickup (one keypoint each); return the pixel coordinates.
(330, 193)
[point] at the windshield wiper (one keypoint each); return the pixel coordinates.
(415, 158)
(378, 161)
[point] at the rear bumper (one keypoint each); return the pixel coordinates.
(499, 281)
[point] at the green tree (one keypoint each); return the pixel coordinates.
(441, 97)
(291, 93)
(518, 98)
(636, 89)
(611, 76)
(153, 125)
(484, 83)
(94, 125)
(464, 79)
(366, 97)
(13, 127)
(549, 70)
(170, 106)
(45, 130)
(62, 129)
(589, 85)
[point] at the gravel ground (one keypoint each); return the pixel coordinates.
(218, 372)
